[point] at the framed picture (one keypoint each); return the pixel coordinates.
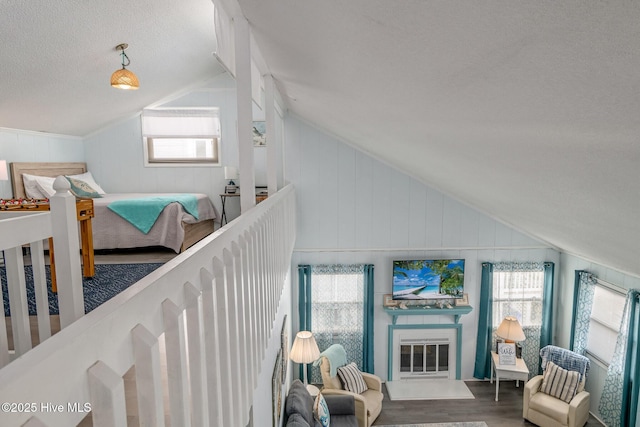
(284, 348)
(276, 389)
(388, 301)
(463, 301)
(259, 134)
(506, 353)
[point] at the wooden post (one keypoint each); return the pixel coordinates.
(245, 113)
(273, 146)
(65, 236)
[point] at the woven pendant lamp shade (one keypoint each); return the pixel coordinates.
(124, 79)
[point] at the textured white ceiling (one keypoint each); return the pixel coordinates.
(56, 59)
(528, 111)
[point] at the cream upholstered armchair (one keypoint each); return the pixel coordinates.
(558, 398)
(368, 403)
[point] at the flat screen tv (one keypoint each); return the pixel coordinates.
(433, 279)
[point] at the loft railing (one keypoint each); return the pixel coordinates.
(18, 228)
(211, 308)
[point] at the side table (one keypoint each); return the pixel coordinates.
(517, 372)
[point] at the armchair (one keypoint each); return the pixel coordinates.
(544, 409)
(368, 404)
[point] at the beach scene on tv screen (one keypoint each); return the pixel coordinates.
(428, 279)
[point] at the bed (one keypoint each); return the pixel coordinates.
(175, 228)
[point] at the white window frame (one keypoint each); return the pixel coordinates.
(528, 296)
(604, 323)
(207, 128)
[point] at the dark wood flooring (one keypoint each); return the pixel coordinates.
(506, 412)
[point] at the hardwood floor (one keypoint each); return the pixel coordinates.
(507, 412)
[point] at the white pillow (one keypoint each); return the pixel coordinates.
(88, 178)
(38, 187)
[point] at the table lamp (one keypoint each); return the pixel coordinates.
(304, 350)
(230, 173)
(510, 330)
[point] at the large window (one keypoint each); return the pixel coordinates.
(518, 290)
(518, 293)
(604, 323)
(181, 136)
(337, 308)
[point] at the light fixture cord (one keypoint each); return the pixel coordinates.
(124, 55)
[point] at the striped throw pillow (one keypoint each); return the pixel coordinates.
(559, 382)
(351, 378)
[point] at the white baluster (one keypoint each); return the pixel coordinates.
(40, 288)
(176, 364)
(211, 344)
(197, 361)
(146, 353)
(229, 382)
(106, 389)
(18, 300)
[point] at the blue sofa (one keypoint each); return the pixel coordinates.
(299, 408)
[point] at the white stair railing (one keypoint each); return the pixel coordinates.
(212, 308)
(19, 228)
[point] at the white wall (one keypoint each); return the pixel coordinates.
(26, 146)
(353, 208)
(566, 276)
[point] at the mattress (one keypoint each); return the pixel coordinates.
(110, 231)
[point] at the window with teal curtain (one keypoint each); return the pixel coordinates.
(619, 401)
(584, 289)
(523, 290)
(336, 304)
(482, 368)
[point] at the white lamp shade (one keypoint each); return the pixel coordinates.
(510, 329)
(305, 349)
(230, 172)
(4, 176)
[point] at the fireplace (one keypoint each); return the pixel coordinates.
(424, 358)
(424, 354)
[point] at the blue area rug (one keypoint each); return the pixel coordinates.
(109, 280)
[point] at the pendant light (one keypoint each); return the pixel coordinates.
(123, 78)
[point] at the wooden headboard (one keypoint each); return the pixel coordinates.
(41, 169)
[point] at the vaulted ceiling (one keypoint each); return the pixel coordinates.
(527, 111)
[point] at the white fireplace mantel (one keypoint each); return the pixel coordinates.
(456, 312)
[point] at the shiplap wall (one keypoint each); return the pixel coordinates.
(26, 146)
(353, 208)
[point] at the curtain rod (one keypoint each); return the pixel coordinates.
(610, 286)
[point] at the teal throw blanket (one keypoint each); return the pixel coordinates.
(142, 213)
(337, 357)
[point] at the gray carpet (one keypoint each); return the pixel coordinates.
(463, 424)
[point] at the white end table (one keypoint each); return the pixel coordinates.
(517, 372)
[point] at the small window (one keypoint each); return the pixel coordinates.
(181, 137)
(182, 150)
